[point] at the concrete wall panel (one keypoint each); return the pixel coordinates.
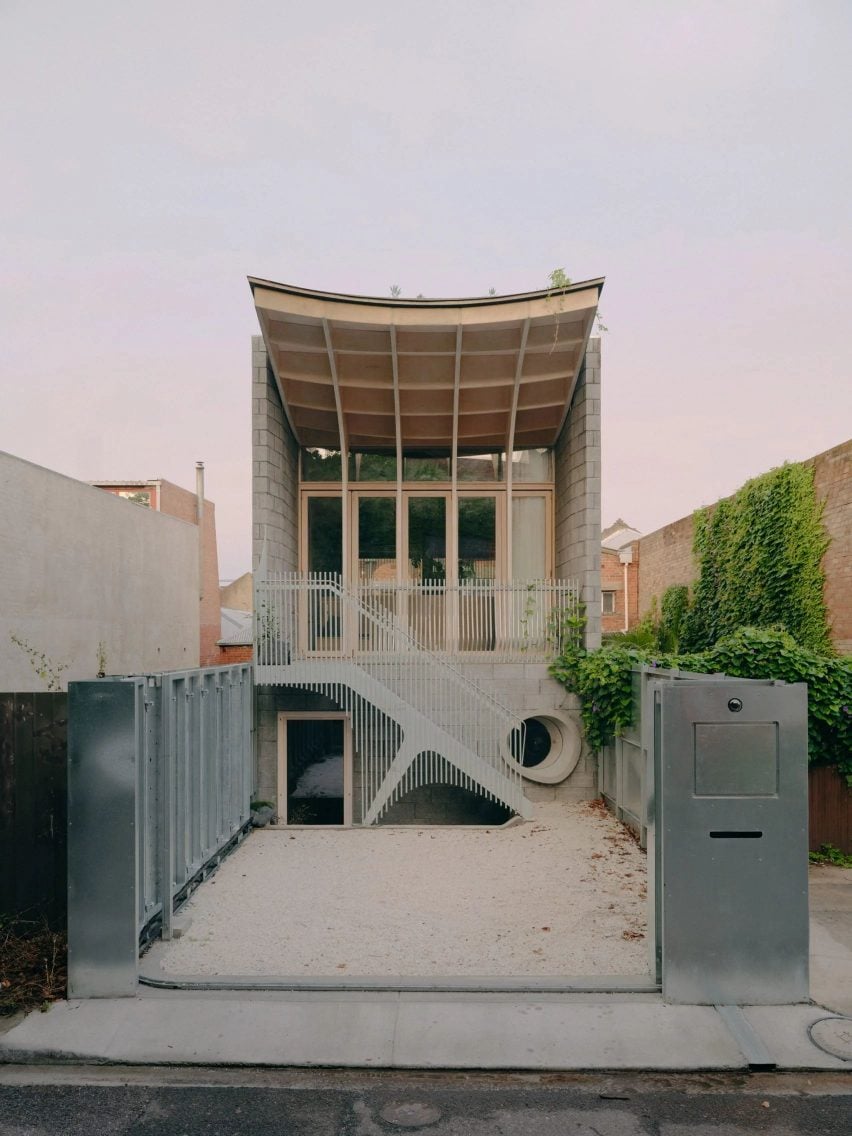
(79, 568)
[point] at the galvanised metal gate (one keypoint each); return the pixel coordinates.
(159, 787)
(712, 775)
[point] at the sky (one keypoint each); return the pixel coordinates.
(698, 155)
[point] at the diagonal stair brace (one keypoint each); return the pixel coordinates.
(419, 734)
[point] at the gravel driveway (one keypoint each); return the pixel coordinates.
(563, 894)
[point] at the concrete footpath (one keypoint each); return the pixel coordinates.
(541, 1030)
(407, 1030)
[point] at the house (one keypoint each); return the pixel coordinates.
(426, 509)
(619, 576)
(163, 496)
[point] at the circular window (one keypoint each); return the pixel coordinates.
(551, 747)
(537, 743)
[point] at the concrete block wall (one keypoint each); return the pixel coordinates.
(275, 463)
(527, 689)
(578, 492)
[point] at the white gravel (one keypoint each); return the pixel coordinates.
(562, 895)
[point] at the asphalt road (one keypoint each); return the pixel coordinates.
(228, 1102)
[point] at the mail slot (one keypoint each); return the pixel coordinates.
(731, 761)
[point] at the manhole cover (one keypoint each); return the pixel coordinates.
(410, 1114)
(834, 1035)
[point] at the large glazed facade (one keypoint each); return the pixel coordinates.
(426, 522)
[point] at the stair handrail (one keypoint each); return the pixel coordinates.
(389, 622)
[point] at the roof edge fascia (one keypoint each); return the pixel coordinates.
(443, 302)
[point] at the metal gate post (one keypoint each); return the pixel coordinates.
(102, 846)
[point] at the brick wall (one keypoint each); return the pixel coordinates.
(578, 491)
(183, 503)
(665, 556)
(612, 580)
(833, 484)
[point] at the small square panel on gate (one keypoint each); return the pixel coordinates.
(736, 759)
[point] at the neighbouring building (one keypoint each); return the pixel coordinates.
(665, 556)
(89, 583)
(426, 523)
(238, 595)
(619, 577)
(164, 497)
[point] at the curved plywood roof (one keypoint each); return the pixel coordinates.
(368, 373)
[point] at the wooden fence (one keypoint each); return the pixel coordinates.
(829, 808)
(33, 805)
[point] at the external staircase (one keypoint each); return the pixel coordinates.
(417, 718)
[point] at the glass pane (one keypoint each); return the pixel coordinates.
(321, 465)
(477, 538)
(377, 538)
(325, 534)
(426, 469)
(532, 465)
(529, 538)
(427, 538)
(315, 788)
(374, 467)
(479, 467)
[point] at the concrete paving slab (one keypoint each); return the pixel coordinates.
(830, 890)
(784, 1030)
(357, 1032)
(544, 1035)
(410, 1031)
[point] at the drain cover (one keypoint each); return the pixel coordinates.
(834, 1035)
(410, 1114)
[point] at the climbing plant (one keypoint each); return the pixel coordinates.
(759, 556)
(602, 679)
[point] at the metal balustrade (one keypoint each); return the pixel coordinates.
(417, 717)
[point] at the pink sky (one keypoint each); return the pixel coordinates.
(696, 155)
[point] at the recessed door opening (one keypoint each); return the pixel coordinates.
(315, 770)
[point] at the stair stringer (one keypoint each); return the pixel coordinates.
(419, 734)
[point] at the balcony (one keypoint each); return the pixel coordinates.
(313, 616)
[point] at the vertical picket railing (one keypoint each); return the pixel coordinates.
(313, 619)
(160, 779)
(518, 621)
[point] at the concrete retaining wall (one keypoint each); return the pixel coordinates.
(81, 568)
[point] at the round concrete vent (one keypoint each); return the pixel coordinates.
(551, 747)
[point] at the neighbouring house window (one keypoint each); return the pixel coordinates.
(608, 603)
(137, 496)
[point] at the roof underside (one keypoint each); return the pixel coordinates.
(372, 374)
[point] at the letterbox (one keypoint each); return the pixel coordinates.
(732, 793)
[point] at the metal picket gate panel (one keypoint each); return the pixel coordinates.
(160, 779)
